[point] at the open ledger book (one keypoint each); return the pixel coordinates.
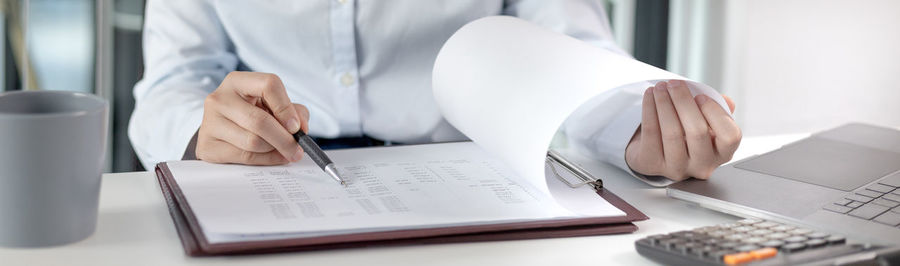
(505, 83)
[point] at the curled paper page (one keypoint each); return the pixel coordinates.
(508, 85)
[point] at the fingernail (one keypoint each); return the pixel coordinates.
(297, 155)
(293, 125)
(701, 99)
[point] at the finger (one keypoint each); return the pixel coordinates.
(696, 131)
(226, 130)
(671, 133)
(218, 151)
(728, 134)
(260, 123)
(271, 90)
(651, 143)
(730, 103)
(304, 117)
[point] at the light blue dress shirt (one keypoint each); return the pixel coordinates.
(361, 67)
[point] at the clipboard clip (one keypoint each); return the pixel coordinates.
(585, 178)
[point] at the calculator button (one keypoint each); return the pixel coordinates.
(782, 228)
(705, 229)
(743, 229)
(680, 233)
(816, 243)
(760, 232)
(753, 240)
(735, 237)
(801, 231)
(729, 245)
(688, 248)
(868, 211)
(720, 233)
(653, 241)
(706, 251)
(729, 225)
(688, 235)
(719, 255)
(795, 239)
(778, 236)
(837, 208)
(747, 248)
(836, 240)
(701, 237)
(749, 221)
(713, 241)
(817, 235)
(772, 243)
(766, 225)
(889, 218)
(671, 243)
(738, 258)
(764, 253)
(793, 247)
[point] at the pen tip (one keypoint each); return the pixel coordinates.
(344, 183)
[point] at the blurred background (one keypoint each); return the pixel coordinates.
(792, 66)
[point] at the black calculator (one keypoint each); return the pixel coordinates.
(761, 242)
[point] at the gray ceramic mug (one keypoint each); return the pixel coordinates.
(52, 145)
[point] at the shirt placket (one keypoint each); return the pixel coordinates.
(346, 74)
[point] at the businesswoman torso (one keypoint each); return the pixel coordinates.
(359, 67)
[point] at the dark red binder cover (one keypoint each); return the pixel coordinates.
(195, 243)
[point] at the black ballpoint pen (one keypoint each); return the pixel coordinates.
(317, 155)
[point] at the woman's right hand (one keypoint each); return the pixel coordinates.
(249, 119)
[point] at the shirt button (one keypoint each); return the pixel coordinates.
(347, 79)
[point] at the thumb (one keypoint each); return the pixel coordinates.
(304, 116)
(730, 102)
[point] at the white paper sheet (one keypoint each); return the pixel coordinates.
(405, 187)
(508, 85)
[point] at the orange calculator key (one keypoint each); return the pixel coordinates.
(738, 258)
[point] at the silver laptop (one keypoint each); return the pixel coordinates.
(845, 180)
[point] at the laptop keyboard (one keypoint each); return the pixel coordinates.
(879, 202)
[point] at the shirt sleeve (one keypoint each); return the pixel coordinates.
(187, 54)
(614, 115)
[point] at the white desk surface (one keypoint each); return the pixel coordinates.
(134, 228)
